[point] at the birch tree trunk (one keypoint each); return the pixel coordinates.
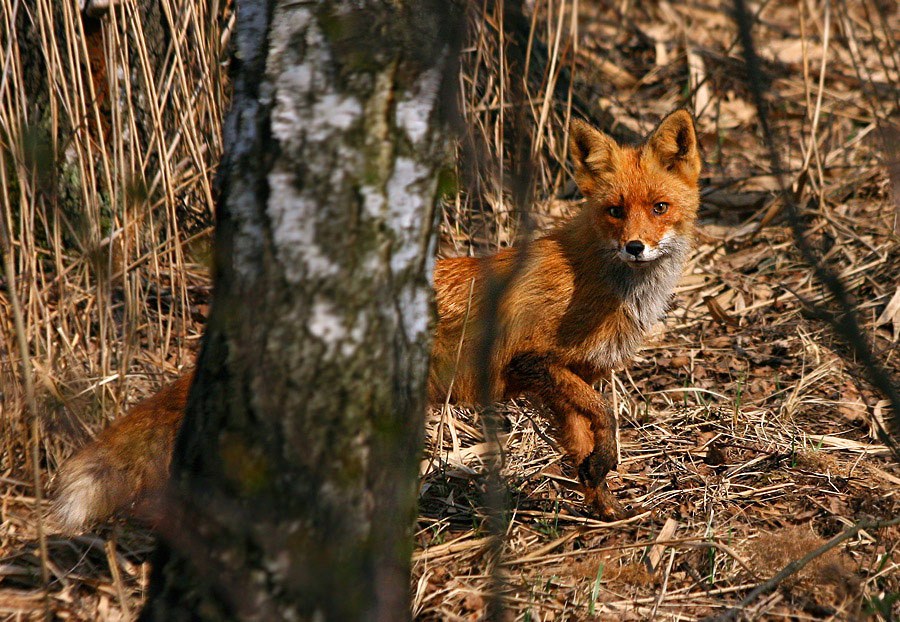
(294, 486)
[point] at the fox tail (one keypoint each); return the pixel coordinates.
(89, 488)
(125, 469)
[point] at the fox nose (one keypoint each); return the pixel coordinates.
(634, 247)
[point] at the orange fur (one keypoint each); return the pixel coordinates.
(577, 304)
(127, 465)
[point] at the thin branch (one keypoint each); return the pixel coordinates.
(843, 320)
(31, 403)
(798, 565)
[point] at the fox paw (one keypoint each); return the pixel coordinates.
(593, 468)
(605, 505)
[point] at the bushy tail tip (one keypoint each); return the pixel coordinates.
(86, 491)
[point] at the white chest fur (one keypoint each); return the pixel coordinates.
(644, 294)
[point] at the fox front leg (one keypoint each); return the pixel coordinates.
(585, 425)
(592, 472)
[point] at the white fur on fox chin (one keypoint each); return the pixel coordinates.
(645, 295)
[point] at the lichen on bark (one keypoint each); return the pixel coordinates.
(296, 465)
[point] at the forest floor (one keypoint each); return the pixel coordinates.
(748, 429)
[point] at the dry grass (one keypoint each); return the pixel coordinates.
(748, 434)
(108, 141)
(105, 232)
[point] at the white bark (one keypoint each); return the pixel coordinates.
(304, 428)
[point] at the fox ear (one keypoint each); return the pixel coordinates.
(674, 144)
(593, 153)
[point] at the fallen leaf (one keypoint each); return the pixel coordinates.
(473, 602)
(717, 312)
(714, 455)
(852, 407)
(891, 314)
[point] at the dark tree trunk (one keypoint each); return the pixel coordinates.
(294, 475)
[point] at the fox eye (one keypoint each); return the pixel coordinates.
(660, 208)
(616, 211)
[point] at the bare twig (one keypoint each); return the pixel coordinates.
(843, 319)
(31, 403)
(797, 565)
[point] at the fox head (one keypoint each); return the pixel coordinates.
(642, 200)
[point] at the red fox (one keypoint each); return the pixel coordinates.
(579, 303)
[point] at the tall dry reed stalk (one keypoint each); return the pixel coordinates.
(110, 129)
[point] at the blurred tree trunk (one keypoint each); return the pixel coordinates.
(294, 485)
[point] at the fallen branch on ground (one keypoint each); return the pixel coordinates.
(797, 565)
